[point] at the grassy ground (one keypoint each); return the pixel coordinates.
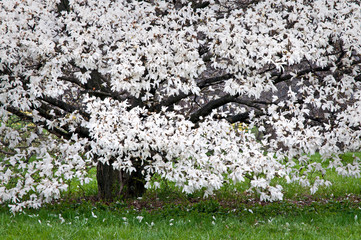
(332, 213)
(334, 220)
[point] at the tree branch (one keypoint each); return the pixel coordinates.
(242, 117)
(207, 108)
(211, 81)
(57, 132)
(201, 84)
(63, 105)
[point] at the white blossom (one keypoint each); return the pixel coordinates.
(135, 81)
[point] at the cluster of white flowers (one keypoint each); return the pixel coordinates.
(106, 79)
(167, 143)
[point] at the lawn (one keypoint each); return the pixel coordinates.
(332, 220)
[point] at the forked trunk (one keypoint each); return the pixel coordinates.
(113, 184)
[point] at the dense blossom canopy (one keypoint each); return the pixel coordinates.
(160, 83)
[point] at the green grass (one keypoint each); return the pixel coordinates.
(272, 221)
(332, 213)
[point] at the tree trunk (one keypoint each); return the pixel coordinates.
(113, 184)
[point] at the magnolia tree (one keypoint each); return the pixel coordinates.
(138, 88)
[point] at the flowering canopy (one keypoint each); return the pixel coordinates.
(159, 83)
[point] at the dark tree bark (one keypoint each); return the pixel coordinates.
(114, 184)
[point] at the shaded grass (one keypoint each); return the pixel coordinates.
(341, 185)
